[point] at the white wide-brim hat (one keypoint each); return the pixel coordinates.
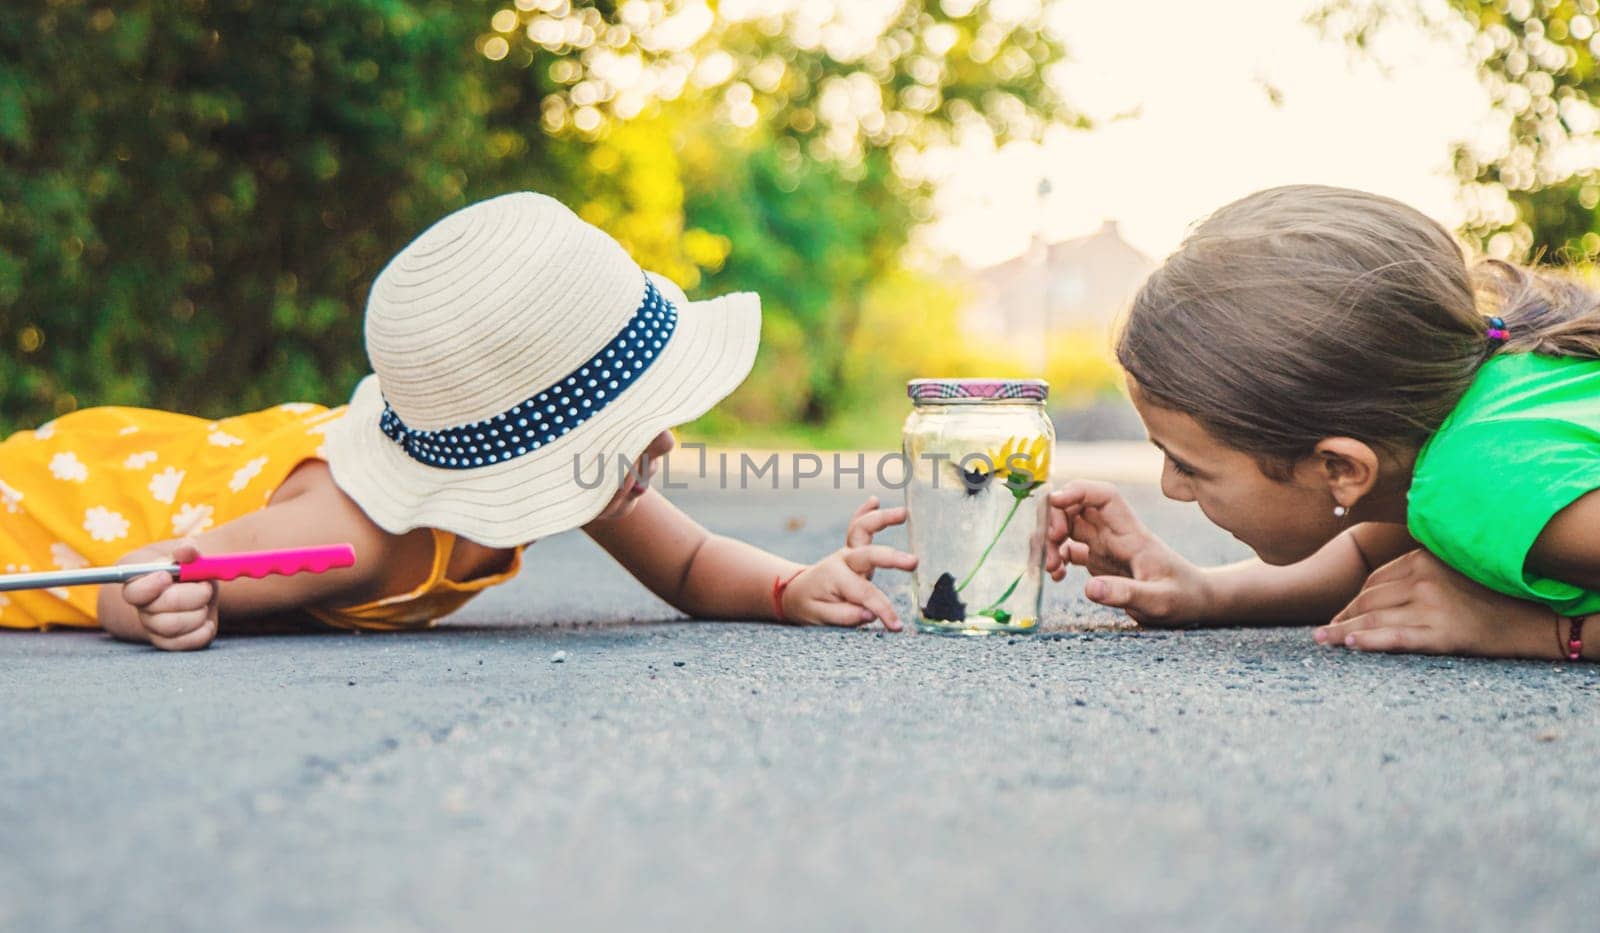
(514, 349)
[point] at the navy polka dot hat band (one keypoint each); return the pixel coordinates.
(553, 412)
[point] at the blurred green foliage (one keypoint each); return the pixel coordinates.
(1535, 195)
(193, 198)
(196, 195)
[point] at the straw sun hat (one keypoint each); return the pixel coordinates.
(513, 348)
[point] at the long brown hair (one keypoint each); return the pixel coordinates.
(1306, 312)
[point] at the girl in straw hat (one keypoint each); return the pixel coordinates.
(510, 343)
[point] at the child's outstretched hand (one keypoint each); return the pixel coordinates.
(837, 589)
(1419, 604)
(175, 616)
(868, 521)
(1092, 526)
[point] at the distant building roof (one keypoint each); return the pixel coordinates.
(1087, 281)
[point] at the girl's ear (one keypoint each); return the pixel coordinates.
(1349, 467)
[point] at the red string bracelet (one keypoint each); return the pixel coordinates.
(779, 584)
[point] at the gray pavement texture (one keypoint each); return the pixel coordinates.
(668, 775)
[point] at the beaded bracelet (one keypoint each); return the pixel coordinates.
(1571, 647)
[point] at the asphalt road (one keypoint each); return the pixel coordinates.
(691, 776)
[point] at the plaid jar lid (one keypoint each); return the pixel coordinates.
(930, 390)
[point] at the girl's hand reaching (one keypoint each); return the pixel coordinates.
(868, 520)
(1092, 526)
(1419, 604)
(174, 616)
(836, 590)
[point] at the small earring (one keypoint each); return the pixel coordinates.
(1340, 511)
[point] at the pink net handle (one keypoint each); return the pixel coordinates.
(258, 564)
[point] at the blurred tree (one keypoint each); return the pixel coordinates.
(810, 241)
(800, 123)
(195, 196)
(1536, 195)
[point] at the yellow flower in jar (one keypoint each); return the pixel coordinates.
(1023, 463)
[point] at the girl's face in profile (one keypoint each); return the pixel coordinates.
(1283, 521)
(637, 480)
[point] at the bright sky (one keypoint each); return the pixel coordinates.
(1206, 131)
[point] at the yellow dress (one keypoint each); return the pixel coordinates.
(91, 486)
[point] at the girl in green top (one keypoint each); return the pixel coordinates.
(1411, 446)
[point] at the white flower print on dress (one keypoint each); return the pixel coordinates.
(246, 473)
(59, 593)
(191, 520)
(221, 438)
(102, 524)
(140, 460)
(67, 466)
(164, 485)
(130, 429)
(10, 498)
(44, 431)
(296, 408)
(65, 558)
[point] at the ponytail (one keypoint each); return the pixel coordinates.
(1552, 313)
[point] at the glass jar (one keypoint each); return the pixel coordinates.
(979, 466)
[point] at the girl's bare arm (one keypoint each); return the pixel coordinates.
(700, 574)
(1311, 591)
(1569, 547)
(708, 576)
(307, 510)
(1136, 571)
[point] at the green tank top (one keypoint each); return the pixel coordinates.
(1522, 444)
